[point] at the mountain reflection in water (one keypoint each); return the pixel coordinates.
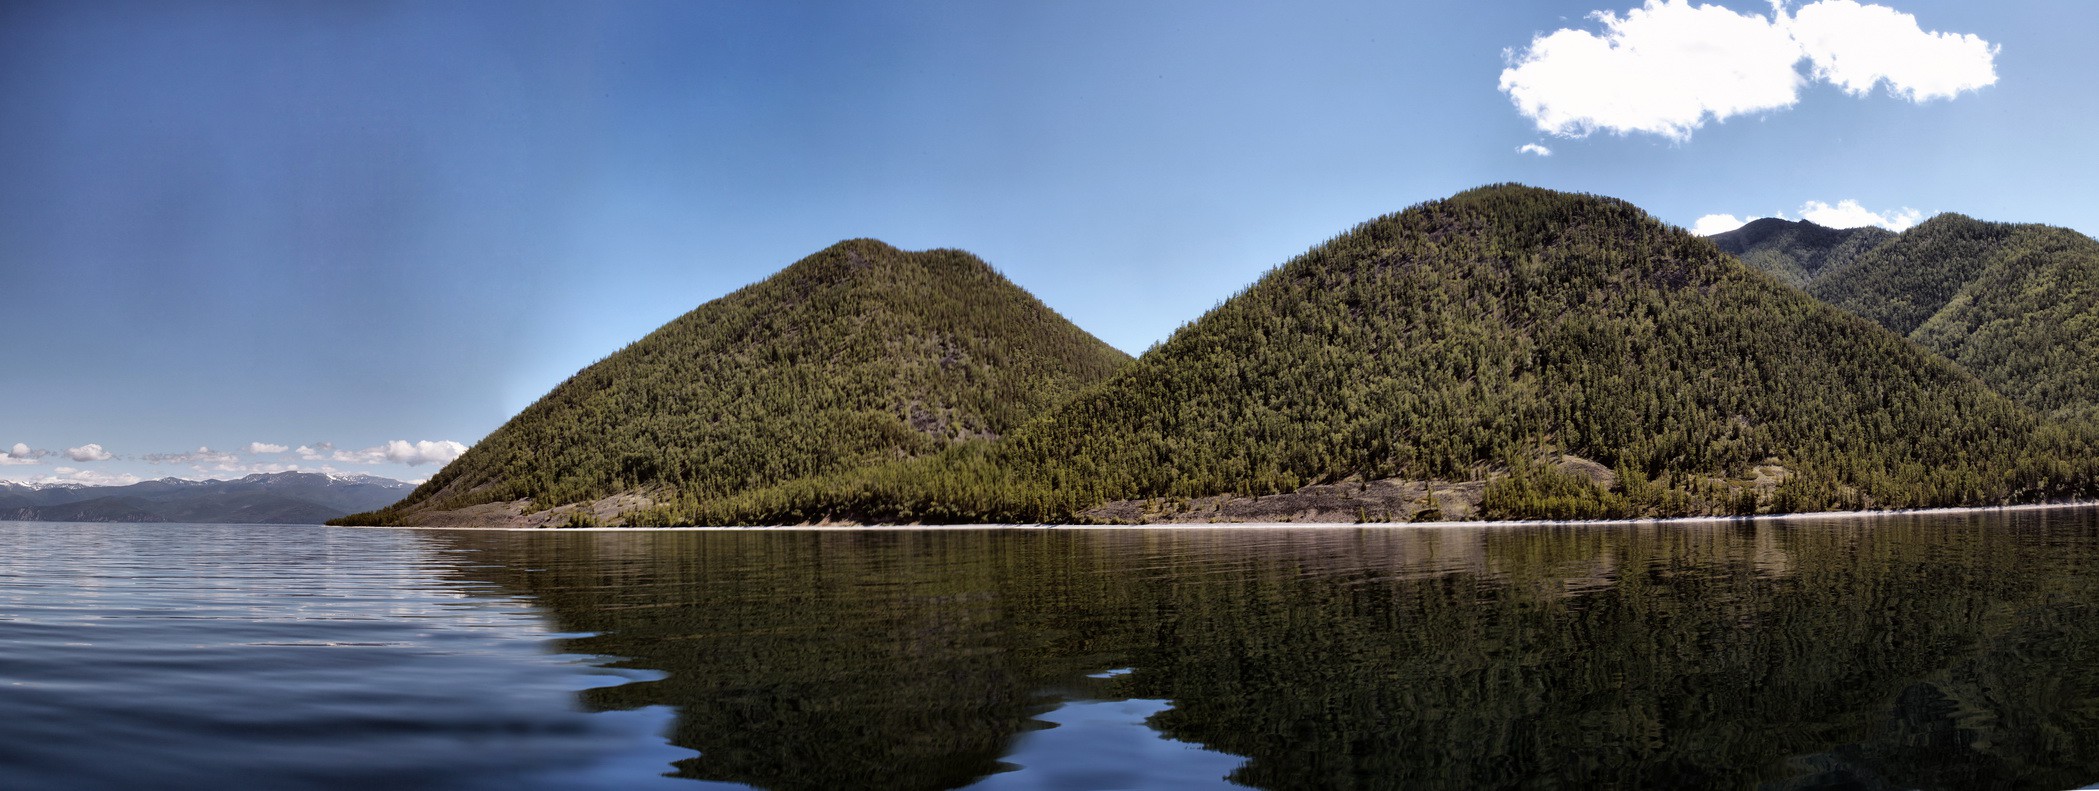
(1917, 651)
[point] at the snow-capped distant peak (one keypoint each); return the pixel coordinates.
(42, 485)
(358, 477)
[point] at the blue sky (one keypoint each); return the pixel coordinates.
(377, 230)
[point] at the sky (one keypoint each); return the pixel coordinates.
(243, 237)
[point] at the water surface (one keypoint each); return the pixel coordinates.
(1948, 651)
(1951, 651)
(223, 656)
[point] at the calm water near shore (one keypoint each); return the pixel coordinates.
(1950, 651)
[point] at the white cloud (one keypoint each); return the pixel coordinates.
(399, 451)
(223, 469)
(202, 454)
(265, 447)
(425, 452)
(1856, 46)
(1663, 69)
(21, 453)
(88, 477)
(1669, 66)
(1534, 148)
(1849, 214)
(89, 452)
(1845, 214)
(1719, 223)
(220, 471)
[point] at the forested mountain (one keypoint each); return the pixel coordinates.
(263, 498)
(1569, 352)
(1797, 251)
(858, 354)
(2016, 304)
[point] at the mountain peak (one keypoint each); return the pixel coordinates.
(1798, 251)
(2012, 303)
(855, 354)
(866, 266)
(1765, 225)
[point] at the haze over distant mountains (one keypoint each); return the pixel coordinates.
(1509, 352)
(263, 498)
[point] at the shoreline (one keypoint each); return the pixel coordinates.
(1502, 523)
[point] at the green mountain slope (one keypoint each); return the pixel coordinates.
(2029, 323)
(857, 354)
(1797, 251)
(2016, 304)
(1480, 338)
(1901, 283)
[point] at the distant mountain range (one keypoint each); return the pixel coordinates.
(273, 498)
(1509, 352)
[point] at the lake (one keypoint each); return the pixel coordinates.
(1954, 651)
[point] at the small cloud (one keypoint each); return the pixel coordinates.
(203, 454)
(236, 469)
(1719, 223)
(1849, 214)
(88, 477)
(89, 452)
(1534, 148)
(399, 451)
(265, 447)
(21, 453)
(425, 452)
(1669, 67)
(1845, 214)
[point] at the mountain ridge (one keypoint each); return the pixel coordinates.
(259, 498)
(1564, 356)
(2018, 304)
(1509, 352)
(1798, 250)
(856, 354)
